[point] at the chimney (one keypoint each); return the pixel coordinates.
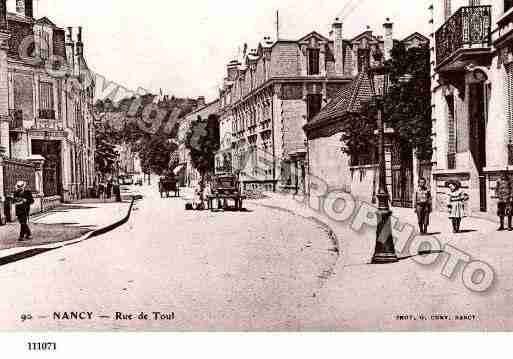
(25, 7)
(338, 47)
(388, 28)
(3, 15)
(70, 49)
(232, 69)
(201, 101)
(80, 44)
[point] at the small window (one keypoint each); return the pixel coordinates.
(314, 104)
(313, 62)
(363, 59)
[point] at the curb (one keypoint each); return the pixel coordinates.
(19, 254)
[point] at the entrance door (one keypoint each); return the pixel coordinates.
(51, 151)
(477, 140)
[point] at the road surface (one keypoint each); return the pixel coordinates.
(257, 270)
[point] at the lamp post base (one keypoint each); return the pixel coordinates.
(385, 248)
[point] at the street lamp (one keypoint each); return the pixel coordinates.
(385, 249)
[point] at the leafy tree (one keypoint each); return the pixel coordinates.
(155, 152)
(202, 140)
(407, 107)
(408, 101)
(106, 154)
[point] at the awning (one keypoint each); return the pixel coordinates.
(178, 169)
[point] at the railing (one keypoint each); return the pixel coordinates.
(470, 26)
(15, 171)
(16, 119)
(44, 124)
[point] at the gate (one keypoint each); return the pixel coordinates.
(402, 176)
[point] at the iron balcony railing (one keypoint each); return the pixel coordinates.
(469, 27)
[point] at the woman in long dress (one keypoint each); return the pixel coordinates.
(456, 204)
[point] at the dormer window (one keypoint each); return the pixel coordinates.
(363, 59)
(313, 62)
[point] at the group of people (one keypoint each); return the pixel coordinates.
(456, 202)
(108, 187)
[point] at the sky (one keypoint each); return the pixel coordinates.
(182, 47)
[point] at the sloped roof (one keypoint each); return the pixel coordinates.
(349, 100)
(416, 35)
(45, 21)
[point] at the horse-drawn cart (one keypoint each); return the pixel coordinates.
(225, 188)
(167, 185)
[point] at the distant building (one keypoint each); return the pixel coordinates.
(185, 170)
(46, 98)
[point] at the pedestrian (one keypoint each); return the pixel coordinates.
(108, 191)
(504, 194)
(423, 205)
(23, 200)
(456, 205)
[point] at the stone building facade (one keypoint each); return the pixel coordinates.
(329, 167)
(267, 99)
(46, 99)
(472, 85)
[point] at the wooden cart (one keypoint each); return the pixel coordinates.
(167, 185)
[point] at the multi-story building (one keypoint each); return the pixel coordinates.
(330, 168)
(270, 96)
(188, 175)
(472, 85)
(46, 98)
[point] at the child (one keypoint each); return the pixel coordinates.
(456, 205)
(423, 205)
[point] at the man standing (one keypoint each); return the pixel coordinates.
(503, 193)
(23, 200)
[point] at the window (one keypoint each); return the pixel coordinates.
(363, 59)
(313, 62)
(508, 4)
(313, 105)
(451, 124)
(46, 105)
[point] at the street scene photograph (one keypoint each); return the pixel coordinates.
(267, 166)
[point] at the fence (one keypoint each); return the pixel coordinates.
(16, 170)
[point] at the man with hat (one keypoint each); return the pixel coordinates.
(504, 194)
(23, 200)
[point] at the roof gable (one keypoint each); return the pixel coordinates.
(313, 34)
(349, 100)
(416, 36)
(45, 21)
(367, 35)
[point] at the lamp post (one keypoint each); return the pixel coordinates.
(385, 249)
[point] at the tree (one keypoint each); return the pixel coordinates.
(106, 155)
(408, 102)
(407, 107)
(202, 140)
(155, 152)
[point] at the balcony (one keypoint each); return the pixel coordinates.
(44, 124)
(464, 38)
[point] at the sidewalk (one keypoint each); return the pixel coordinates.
(369, 297)
(65, 223)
